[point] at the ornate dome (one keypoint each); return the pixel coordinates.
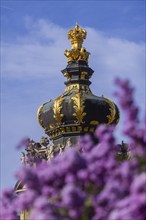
(76, 111)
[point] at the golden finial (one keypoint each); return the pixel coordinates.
(77, 52)
(77, 35)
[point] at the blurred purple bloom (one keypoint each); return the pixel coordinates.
(28, 177)
(72, 196)
(87, 181)
(23, 143)
(139, 184)
(26, 199)
(85, 143)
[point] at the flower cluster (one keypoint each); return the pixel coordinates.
(133, 128)
(87, 181)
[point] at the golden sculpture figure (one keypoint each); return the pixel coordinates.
(77, 52)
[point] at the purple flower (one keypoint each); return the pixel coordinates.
(28, 176)
(26, 199)
(85, 143)
(43, 210)
(72, 196)
(139, 184)
(72, 160)
(7, 208)
(23, 143)
(75, 214)
(87, 181)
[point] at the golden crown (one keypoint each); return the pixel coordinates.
(77, 36)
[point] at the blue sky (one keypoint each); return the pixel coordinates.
(33, 40)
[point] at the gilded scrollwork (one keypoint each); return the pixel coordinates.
(79, 108)
(112, 110)
(67, 76)
(39, 115)
(71, 87)
(80, 87)
(74, 55)
(57, 107)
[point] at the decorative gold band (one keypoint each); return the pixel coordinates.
(70, 129)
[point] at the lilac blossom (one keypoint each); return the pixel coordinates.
(87, 181)
(23, 143)
(133, 129)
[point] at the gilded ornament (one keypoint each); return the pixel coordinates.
(83, 75)
(74, 55)
(57, 107)
(111, 116)
(62, 130)
(71, 87)
(83, 54)
(77, 35)
(39, 114)
(73, 129)
(85, 88)
(79, 108)
(68, 129)
(77, 86)
(86, 129)
(94, 123)
(79, 128)
(91, 129)
(52, 126)
(77, 52)
(67, 76)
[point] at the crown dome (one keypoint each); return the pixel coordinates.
(77, 110)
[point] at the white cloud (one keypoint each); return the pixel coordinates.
(37, 54)
(40, 54)
(115, 57)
